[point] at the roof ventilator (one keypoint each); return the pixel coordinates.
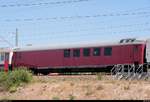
(129, 40)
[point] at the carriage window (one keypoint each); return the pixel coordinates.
(108, 51)
(96, 52)
(86, 52)
(2, 56)
(76, 52)
(7, 56)
(67, 53)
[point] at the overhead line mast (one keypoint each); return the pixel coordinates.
(16, 37)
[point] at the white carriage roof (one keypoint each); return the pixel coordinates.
(5, 49)
(79, 45)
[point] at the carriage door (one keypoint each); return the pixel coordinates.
(3, 58)
(135, 54)
(6, 61)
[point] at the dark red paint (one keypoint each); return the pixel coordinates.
(121, 54)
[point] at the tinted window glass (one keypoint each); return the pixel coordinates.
(7, 56)
(108, 51)
(76, 52)
(86, 52)
(67, 53)
(2, 56)
(96, 52)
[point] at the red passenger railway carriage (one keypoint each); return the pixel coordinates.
(78, 57)
(81, 57)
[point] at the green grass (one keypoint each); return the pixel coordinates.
(11, 80)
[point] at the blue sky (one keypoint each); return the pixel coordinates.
(73, 30)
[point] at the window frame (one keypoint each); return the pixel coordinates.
(76, 52)
(106, 49)
(2, 56)
(7, 56)
(86, 52)
(99, 51)
(68, 54)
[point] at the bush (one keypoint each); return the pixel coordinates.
(13, 79)
(3, 76)
(22, 75)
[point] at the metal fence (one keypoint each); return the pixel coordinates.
(131, 72)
